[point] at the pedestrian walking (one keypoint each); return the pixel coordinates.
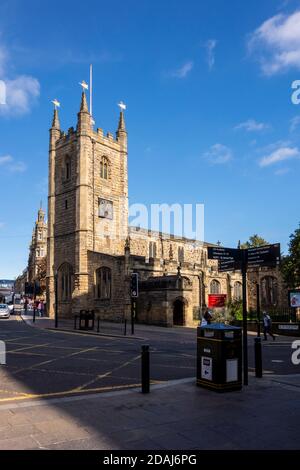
(39, 308)
(207, 317)
(267, 326)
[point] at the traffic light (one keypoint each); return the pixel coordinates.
(134, 285)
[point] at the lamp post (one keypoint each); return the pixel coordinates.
(56, 297)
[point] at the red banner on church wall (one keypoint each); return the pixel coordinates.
(216, 300)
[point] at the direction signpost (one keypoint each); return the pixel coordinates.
(231, 259)
(268, 255)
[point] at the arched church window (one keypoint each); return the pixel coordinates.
(215, 287)
(269, 291)
(65, 282)
(103, 283)
(237, 290)
(104, 168)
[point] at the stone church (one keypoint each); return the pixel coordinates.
(92, 250)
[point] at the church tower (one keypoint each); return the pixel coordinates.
(87, 207)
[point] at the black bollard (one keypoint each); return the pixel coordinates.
(258, 357)
(132, 315)
(125, 327)
(145, 369)
(33, 319)
(98, 324)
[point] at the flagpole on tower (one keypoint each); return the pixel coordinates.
(91, 90)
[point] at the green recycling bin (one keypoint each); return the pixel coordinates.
(219, 357)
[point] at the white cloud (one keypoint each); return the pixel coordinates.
(210, 49)
(183, 71)
(218, 154)
(21, 94)
(294, 123)
(277, 43)
(252, 126)
(5, 159)
(11, 165)
(279, 155)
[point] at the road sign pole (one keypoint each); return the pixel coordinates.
(258, 309)
(245, 338)
(132, 315)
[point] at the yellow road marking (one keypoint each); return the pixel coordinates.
(69, 392)
(14, 392)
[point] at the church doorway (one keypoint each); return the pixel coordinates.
(178, 313)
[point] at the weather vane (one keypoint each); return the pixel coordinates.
(122, 106)
(84, 85)
(56, 103)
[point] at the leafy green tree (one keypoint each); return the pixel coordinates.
(290, 264)
(254, 241)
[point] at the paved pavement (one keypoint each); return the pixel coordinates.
(265, 415)
(49, 394)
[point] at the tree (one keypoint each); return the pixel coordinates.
(254, 241)
(290, 264)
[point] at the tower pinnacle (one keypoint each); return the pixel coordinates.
(121, 126)
(83, 105)
(55, 121)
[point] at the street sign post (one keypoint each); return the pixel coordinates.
(230, 259)
(221, 253)
(268, 255)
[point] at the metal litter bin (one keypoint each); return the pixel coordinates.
(86, 320)
(219, 357)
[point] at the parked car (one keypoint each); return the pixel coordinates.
(10, 308)
(4, 311)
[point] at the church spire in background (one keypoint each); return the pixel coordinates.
(83, 105)
(55, 121)
(121, 132)
(121, 126)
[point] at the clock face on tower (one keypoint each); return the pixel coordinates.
(105, 209)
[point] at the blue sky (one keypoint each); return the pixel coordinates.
(209, 114)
